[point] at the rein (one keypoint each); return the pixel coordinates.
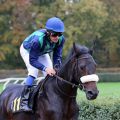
(70, 83)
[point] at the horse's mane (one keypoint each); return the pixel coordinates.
(79, 50)
(76, 50)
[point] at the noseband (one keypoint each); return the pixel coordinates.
(80, 85)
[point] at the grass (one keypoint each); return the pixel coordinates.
(1, 87)
(109, 93)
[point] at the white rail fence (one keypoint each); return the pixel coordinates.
(8, 81)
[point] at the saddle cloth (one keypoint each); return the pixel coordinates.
(15, 106)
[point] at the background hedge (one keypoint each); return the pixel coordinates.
(90, 111)
(109, 77)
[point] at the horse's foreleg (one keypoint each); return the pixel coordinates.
(73, 113)
(74, 118)
(51, 116)
(56, 116)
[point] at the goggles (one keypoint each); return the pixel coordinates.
(55, 34)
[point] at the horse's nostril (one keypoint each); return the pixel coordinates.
(91, 95)
(90, 92)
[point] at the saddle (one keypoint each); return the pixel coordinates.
(34, 91)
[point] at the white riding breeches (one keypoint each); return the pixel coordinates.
(44, 59)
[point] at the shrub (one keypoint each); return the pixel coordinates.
(109, 77)
(99, 112)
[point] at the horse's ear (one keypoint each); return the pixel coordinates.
(91, 51)
(74, 47)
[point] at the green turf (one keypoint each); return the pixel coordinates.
(109, 93)
(1, 87)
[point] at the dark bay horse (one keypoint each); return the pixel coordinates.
(57, 98)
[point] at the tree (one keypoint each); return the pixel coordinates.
(85, 21)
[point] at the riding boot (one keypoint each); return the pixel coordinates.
(25, 98)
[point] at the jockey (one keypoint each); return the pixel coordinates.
(35, 51)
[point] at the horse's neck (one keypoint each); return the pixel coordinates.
(67, 74)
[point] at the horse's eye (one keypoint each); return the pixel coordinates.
(82, 67)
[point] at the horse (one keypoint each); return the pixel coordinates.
(55, 97)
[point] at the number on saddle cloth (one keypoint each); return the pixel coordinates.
(15, 106)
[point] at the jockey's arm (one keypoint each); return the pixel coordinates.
(34, 55)
(57, 54)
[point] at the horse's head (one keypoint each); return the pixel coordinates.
(84, 71)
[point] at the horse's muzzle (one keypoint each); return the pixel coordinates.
(91, 95)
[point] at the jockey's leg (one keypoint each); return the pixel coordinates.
(25, 97)
(32, 75)
(45, 60)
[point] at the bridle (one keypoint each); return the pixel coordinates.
(79, 85)
(69, 83)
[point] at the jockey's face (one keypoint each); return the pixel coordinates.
(54, 39)
(54, 36)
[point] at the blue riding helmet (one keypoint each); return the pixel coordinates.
(55, 24)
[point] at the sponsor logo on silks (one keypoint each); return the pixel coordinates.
(16, 104)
